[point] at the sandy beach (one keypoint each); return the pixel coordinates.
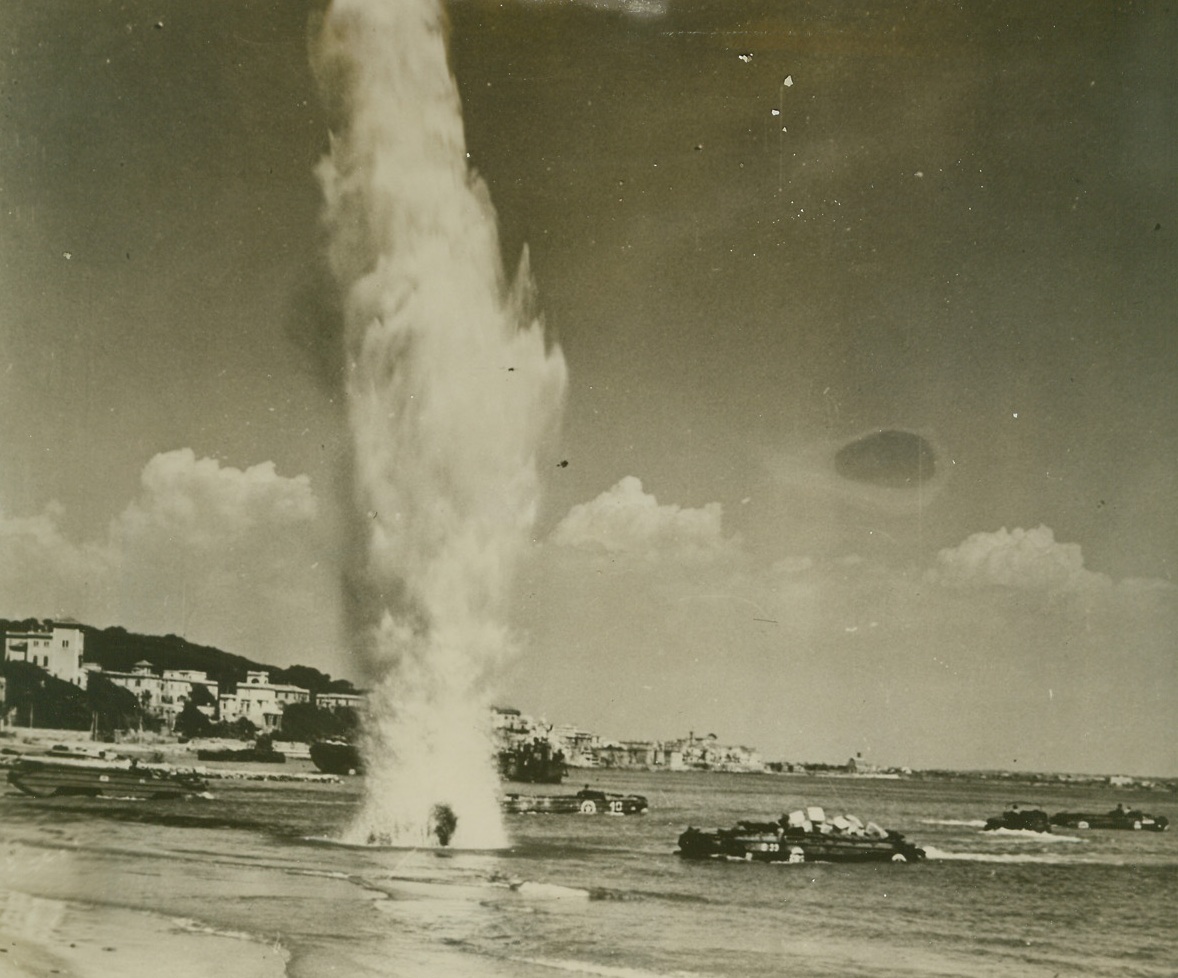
(55, 919)
(42, 936)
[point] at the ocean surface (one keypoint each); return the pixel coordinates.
(607, 896)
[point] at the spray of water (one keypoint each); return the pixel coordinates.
(452, 391)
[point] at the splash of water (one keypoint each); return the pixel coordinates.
(451, 393)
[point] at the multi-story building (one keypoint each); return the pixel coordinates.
(55, 647)
(708, 754)
(510, 727)
(579, 746)
(260, 701)
(164, 695)
(339, 701)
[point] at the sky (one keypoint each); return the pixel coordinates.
(869, 443)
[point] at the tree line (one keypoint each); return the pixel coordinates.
(35, 698)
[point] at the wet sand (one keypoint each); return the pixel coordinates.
(41, 936)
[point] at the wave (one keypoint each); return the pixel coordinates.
(934, 854)
(973, 823)
(534, 849)
(532, 889)
(392, 885)
(323, 840)
(1029, 836)
(191, 926)
(544, 891)
(604, 970)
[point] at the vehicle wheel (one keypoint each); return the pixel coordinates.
(588, 807)
(899, 857)
(1081, 825)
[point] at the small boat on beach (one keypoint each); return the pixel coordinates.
(1131, 819)
(587, 801)
(804, 836)
(1019, 819)
(45, 777)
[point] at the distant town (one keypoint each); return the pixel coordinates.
(50, 680)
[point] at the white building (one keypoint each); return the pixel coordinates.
(708, 754)
(164, 695)
(56, 647)
(338, 701)
(260, 701)
(510, 728)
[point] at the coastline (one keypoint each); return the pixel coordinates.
(42, 936)
(264, 875)
(55, 920)
(168, 751)
(158, 753)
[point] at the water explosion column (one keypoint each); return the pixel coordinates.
(451, 391)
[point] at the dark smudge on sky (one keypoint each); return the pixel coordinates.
(895, 459)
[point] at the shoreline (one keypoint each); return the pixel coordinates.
(172, 756)
(55, 919)
(41, 936)
(299, 767)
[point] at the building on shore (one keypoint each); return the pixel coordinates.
(579, 745)
(164, 695)
(56, 647)
(708, 754)
(260, 701)
(643, 754)
(339, 701)
(583, 749)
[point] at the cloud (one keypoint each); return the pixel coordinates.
(627, 520)
(789, 653)
(198, 503)
(1022, 559)
(221, 555)
(41, 571)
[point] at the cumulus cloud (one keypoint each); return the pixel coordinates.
(1025, 559)
(222, 551)
(198, 503)
(627, 520)
(41, 571)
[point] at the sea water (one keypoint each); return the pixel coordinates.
(607, 896)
